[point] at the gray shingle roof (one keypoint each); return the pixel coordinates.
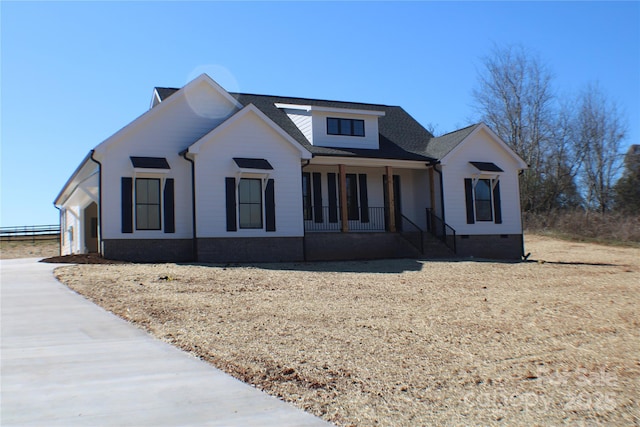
(442, 145)
(165, 92)
(401, 136)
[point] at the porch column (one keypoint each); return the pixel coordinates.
(392, 201)
(342, 182)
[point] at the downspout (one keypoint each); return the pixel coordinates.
(100, 243)
(61, 230)
(522, 254)
(194, 240)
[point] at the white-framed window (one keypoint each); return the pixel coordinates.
(148, 202)
(483, 201)
(250, 203)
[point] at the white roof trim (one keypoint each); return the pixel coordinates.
(195, 147)
(521, 163)
(155, 100)
(75, 179)
(368, 162)
(330, 109)
(149, 114)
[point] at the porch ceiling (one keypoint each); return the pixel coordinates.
(84, 193)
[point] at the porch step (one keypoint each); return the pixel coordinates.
(435, 248)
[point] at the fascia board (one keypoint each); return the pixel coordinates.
(293, 106)
(218, 88)
(167, 103)
(195, 147)
(308, 108)
(155, 99)
(521, 163)
(72, 179)
(368, 162)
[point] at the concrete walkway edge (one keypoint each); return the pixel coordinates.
(67, 362)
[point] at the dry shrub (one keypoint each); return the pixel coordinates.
(584, 225)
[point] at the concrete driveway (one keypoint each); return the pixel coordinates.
(68, 362)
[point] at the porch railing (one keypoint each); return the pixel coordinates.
(412, 233)
(440, 229)
(325, 219)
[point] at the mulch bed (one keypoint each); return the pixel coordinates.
(81, 259)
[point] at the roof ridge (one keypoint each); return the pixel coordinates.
(313, 99)
(235, 94)
(460, 130)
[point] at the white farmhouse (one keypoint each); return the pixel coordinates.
(211, 176)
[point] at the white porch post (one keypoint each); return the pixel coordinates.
(343, 198)
(392, 202)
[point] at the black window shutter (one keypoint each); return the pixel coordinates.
(169, 207)
(270, 206)
(496, 203)
(364, 198)
(127, 205)
(333, 200)
(230, 188)
(317, 197)
(468, 192)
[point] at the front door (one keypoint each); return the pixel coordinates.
(397, 202)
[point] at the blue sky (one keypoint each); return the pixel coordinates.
(73, 73)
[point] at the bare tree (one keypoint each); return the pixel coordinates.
(561, 163)
(601, 130)
(515, 99)
(627, 189)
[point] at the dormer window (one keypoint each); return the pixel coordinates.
(347, 127)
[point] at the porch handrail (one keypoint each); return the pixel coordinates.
(441, 230)
(410, 232)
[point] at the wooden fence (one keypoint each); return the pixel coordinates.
(30, 232)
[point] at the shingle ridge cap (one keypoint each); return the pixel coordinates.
(460, 130)
(312, 99)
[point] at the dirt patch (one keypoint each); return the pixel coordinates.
(403, 342)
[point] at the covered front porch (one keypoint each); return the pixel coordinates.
(367, 195)
(378, 197)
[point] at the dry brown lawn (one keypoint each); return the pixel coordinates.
(555, 340)
(29, 249)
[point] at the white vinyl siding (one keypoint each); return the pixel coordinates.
(322, 138)
(248, 137)
(173, 127)
(481, 147)
(303, 121)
